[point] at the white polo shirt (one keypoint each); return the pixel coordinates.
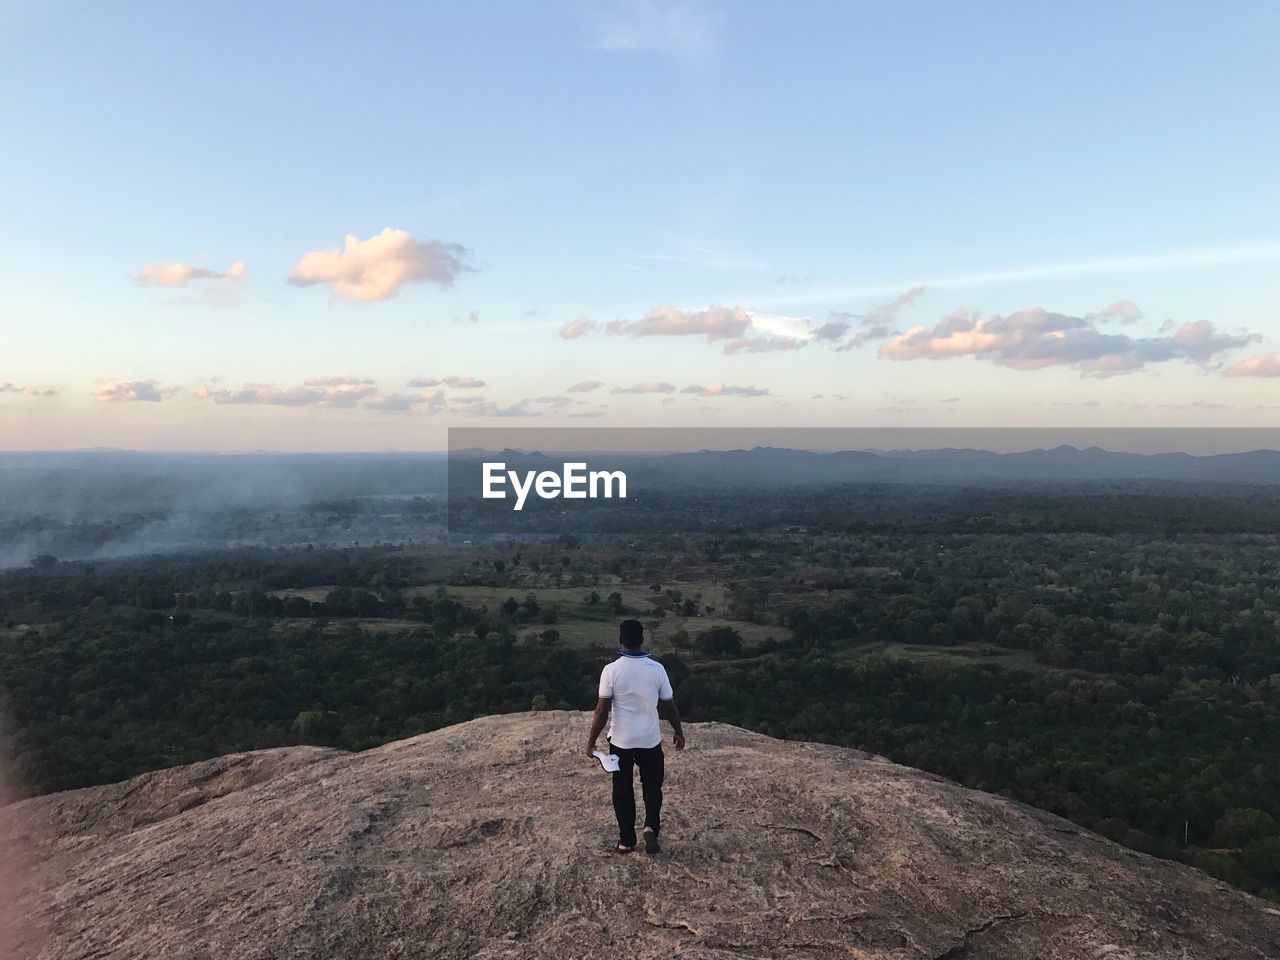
(635, 684)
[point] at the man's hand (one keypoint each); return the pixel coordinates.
(591, 750)
(598, 719)
(677, 741)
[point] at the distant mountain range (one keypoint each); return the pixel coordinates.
(779, 466)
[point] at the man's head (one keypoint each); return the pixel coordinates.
(631, 634)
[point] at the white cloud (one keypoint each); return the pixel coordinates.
(1263, 365)
(586, 386)
(376, 269)
(133, 391)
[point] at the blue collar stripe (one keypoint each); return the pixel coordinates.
(633, 653)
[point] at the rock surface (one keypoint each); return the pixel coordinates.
(492, 839)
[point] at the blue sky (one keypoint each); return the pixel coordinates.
(752, 194)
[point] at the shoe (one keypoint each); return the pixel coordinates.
(651, 842)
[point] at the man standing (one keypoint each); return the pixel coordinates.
(638, 690)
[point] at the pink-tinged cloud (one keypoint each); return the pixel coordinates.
(1032, 339)
(7, 386)
(725, 390)
(586, 386)
(643, 388)
(376, 269)
(303, 395)
(714, 323)
(577, 328)
(133, 391)
(1263, 365)
(181, 274)
(763, 345)
(1123, 311)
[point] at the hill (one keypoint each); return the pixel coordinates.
(491, 839)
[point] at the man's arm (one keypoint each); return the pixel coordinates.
(667, 710)
(597, 722)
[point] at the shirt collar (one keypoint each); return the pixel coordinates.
(633, 653)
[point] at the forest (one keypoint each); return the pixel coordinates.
(1113, 659)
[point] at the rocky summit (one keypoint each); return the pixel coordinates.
(493, 839)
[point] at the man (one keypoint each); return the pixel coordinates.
(638, 690)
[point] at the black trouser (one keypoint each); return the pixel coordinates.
(649, 760)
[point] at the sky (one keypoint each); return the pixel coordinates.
(324, 227)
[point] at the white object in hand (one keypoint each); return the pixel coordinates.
(609, 761)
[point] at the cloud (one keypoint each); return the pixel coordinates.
(487, 409)
(763, 344)
(577, 328)
(876, 324)
(646, 388)
(586, 386)
(738, 330)
(1263, 365)
(376, 269)
(949, 400)
(686, 29)
(589, 413)
(133, 391)
(556, 400)
(400, 402)
(334, 382)
(1034, 338)
(722, 390)
(473, 316)
(715, 323)
(181, 274)
(458, 383)
(7, 386)
(1123, 311)
(790, 278)
(311, 393)
(1196, 405)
